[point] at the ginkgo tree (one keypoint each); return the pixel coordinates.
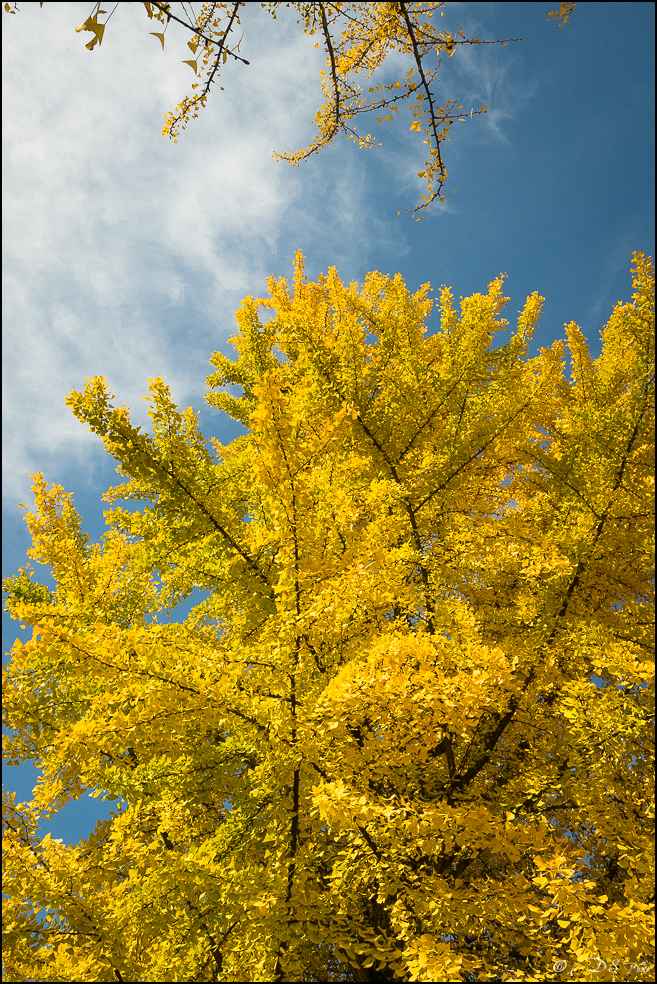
(358, 38)
(407, 733)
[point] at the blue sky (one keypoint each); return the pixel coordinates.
(125, 255)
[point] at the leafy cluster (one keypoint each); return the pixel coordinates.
(407, 736)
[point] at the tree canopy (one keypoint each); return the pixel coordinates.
(357, 39)
(407, 735)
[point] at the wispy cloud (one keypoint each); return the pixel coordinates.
(126, 255)
(477, 75)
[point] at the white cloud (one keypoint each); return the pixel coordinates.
(126, 255)
(489, 76)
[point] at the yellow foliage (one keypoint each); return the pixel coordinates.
(408, 734)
